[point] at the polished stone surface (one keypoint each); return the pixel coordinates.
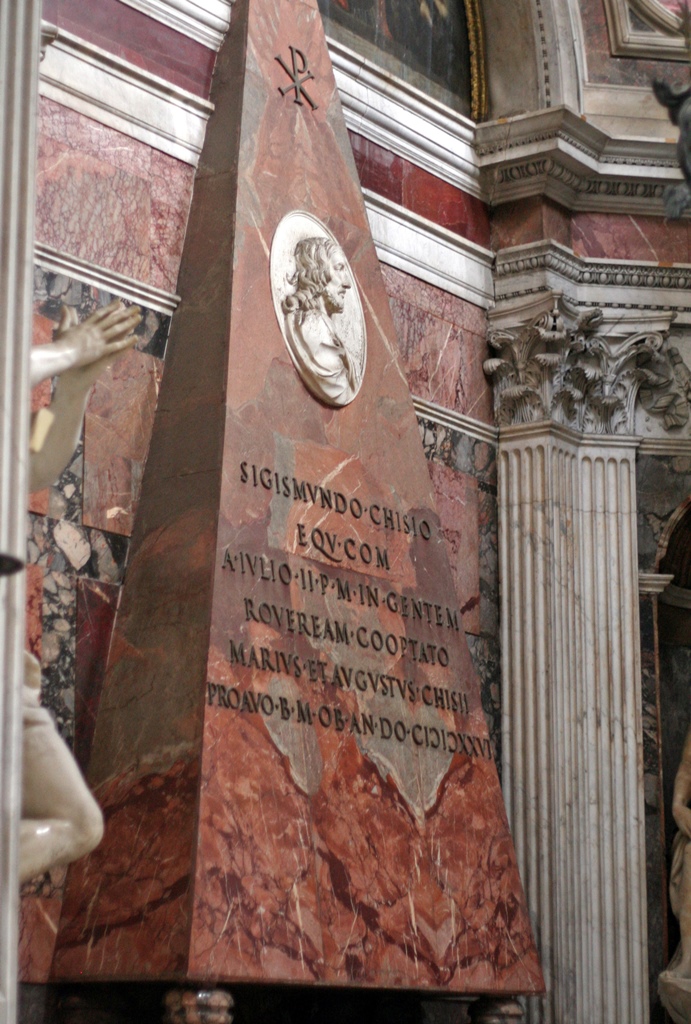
(263, 747)
(75, 570)
(442, 343)
(143, 41)
(90, 174)
(419, 191)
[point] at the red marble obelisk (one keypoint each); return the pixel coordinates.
(290, 748)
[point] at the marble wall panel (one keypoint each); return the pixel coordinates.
(107, 198)
(77, 550)
(117, 429)
(457, 505)
(468, 463)
(530, 220)
(34, 609)
(623, 236)
(143, 41)
(39, 915)
(58, 649)
(96, 606)
(419, 191)
(442, 341)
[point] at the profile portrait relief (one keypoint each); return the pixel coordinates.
(318, 308)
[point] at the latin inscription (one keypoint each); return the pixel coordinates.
(327, 498)
(327, 717)
(350, 644)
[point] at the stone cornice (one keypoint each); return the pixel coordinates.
(552, 152)
(114, 92)
(556, 153)
(404, 120)
(666, 446)
(434, 254)
(457, 421)
(117, 284)
(653, 582)
(624, 289)
(549, 430)
(205, 21)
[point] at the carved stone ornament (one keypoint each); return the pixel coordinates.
(318, 308)
(579, 378)
(649, 29)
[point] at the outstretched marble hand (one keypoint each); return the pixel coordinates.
(61, 821)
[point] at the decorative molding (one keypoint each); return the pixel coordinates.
(666, 446)
(663, 40)
(576, 376)
(206, 22)
(457, 421)
(559, 154)
(114, 92)
(404, 120)
(440, 257)
(677, 597)
(49, 34)
(116, 284)
(629, 290)
(654, 582)
(544, 54)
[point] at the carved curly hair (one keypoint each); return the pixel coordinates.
(311, 275)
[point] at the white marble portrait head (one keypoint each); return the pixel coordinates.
(318, 308)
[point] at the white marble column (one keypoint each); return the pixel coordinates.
(19, 56)
(571, 667)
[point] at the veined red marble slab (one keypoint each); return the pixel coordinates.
(110, 199)
(144, 41)
(418, 190)
(290, 747)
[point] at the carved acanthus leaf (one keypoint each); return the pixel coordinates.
(578, 377)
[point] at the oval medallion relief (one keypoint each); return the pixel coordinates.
(318, 308)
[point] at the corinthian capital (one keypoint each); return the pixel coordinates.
(569, 371)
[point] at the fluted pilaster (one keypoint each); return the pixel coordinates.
(572, 733)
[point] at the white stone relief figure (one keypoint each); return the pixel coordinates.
(321, 281)
(61, 821)
(675, 982)
(318, 308)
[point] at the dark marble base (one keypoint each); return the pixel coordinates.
(496, 1011)
(199, 1006)
(250, 1004)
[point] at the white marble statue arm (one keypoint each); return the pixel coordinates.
(82, 344)
(80, 353)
